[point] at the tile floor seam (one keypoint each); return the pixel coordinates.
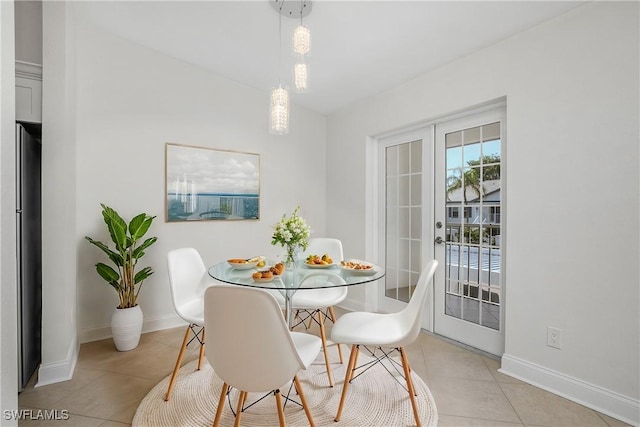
(510, 403)
(492, 381)
(503, 392)
(88, 416)
(110, 371)
(62, 397)
(591, 410)
(38, 406)
(426, 366)
(487, 419)
(605, 421)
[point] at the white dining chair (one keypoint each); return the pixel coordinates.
(188, 279)
(389, 330)
(322, 296)
(318, 303)
(254, 350)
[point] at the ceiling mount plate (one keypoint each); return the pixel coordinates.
(292, 8)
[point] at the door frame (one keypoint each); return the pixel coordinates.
(372, 196)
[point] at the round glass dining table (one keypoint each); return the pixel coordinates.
(291, 281)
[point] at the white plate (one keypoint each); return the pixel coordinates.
(243, 265)
(365, 272)
(264, 280)
(368, 272)
(319, 265)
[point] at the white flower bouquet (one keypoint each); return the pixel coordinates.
(291, 233)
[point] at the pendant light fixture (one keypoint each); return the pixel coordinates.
(301, 38)
(301, 48)
(301, 76)
(279, 105)
(280, 100)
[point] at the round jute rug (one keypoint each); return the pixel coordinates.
(373, 399)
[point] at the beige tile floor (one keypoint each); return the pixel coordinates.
(469, 391)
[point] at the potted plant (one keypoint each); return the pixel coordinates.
(126, 322)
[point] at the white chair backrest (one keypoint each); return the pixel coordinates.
(186, 271)
(410, 315)
(325, 245)
(322, 279)
(248, 343)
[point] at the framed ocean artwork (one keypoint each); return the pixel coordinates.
(204, 184)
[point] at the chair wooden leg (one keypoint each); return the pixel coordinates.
(178, 362)
(201, 350)
(413, 389)
(310, 322)
(241, 398)
(355, 363)
(347, 378)
(333, 319)
(323, 335)
(407, 374)
(333, 314)
(303, 400)
(223, 393)
(280, 411)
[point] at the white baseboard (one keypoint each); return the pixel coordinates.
(592, 396)
(55, 372)
(148, 325)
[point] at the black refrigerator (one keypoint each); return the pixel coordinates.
(29, 249)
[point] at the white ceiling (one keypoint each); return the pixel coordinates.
(359, 48)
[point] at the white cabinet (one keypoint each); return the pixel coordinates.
(28, 92)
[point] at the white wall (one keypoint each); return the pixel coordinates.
(8, 294)
(571, 88)
(130, 102)
(28, 18)
(59, 314)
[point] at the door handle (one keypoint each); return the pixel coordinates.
(439, 240)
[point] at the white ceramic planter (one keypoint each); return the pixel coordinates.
(126, 326)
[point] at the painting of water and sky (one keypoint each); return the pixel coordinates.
(209, 184)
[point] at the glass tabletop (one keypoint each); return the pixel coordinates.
(292, 277)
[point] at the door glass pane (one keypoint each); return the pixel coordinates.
(473, 225)
(403, 217)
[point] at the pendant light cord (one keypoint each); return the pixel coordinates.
(301, 10)
(280, 44)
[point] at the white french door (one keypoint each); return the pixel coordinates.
(405, 182)
(469, 230)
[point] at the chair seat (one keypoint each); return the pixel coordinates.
(309, 299)
(369, 329)
(312, 299)
(308, 347)
(193, 311)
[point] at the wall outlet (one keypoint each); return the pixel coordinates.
(554, 337)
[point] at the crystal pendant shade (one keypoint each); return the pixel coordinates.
(279, 123)
(301, 77)
(301, 40)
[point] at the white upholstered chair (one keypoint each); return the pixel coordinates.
(394, 330)
(188, 279)
(254, 350)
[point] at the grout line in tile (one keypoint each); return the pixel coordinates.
(508, 400)
(488, 420)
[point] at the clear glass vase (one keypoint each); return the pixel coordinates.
(291, 256)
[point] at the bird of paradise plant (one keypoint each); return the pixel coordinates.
(128, 251)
